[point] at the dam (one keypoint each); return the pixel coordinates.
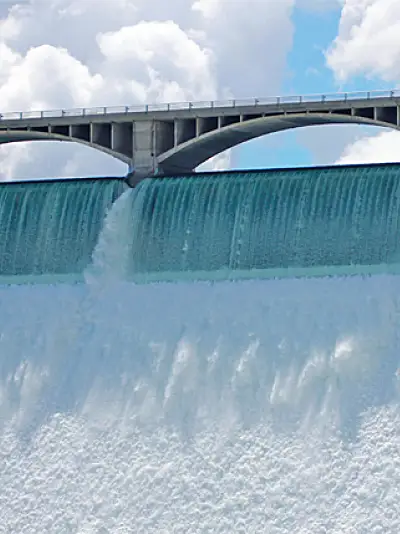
(201, 353)
(211, 226)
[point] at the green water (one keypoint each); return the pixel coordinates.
(50, 228)
(270, 223)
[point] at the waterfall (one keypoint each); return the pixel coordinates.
(48, 229)
(267, 224)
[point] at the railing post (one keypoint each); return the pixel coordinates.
(391, 94)
(126, 109)
(105, 110)
(146, 108)
(21, 114)
(83, 112)
(190, 105)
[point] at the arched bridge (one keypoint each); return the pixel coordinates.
(176, 138)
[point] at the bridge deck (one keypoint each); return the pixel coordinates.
(187, 110)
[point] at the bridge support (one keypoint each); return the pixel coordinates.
(150, 139)
(144, 148)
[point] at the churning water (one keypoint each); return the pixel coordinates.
(252, 406)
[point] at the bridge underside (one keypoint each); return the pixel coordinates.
(181, 145)
(189, 155)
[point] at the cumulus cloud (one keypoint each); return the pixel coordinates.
(382, 148)
(368, 40)
(151, 49)
(368, 45)
(84, 53)
(27, 85)
(251, 44)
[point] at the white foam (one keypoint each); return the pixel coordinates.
(234, 407)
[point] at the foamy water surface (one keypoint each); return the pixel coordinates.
(236, 407)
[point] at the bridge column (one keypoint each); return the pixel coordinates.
(143, 155)
(149, 140)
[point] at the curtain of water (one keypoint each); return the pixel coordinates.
(51, 228)
(265, 223)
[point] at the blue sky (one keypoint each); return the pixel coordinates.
(307, 72)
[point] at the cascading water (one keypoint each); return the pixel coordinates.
(48, 229)
(252, 406)
(306, 222)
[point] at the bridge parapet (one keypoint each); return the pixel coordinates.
(327, 99)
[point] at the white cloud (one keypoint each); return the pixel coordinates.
(251, 43)
(47, 76)
(219, 162)
(368, 45)
(368, 41)
(382, 148)
(9, 58)
(84, 53)
(12, 158)
(175, 67)
(55, 159)
(327, 143)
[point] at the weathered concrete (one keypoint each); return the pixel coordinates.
(170, 139)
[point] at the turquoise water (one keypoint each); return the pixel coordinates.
(318, 221)
(266, 224)
(50, 228)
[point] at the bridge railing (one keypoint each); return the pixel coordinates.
(181, 106)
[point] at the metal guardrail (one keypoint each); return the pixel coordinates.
(182, 106)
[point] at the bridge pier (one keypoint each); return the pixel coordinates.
(133, 179)
(150, 139)
(135, 176)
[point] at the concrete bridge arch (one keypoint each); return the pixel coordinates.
(188, 155)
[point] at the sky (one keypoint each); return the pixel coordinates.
(81, 53)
